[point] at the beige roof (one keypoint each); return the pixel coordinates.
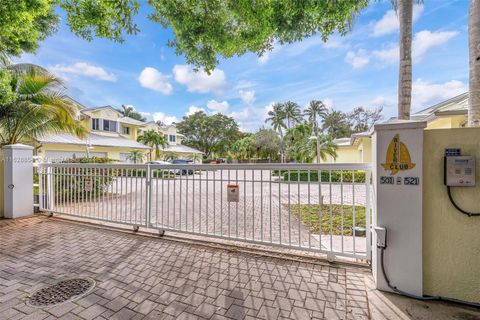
(93, 139)
(180, 148)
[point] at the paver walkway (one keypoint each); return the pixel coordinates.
(141, 277)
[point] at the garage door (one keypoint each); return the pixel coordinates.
(59, 156)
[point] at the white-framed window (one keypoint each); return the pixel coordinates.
(109, 125)
(172, 138)
(95, 124)
(126, 130)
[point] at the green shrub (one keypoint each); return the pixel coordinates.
(89, 160)
(75, 184)
(336, 176)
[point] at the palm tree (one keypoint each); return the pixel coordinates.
(277, 117)
(135, 156)
(292, 113)
(405, 15)
(474, 52)
(129, 111)
(169, 155)
(39, 107)
(155, 140)
(314, 109)
(327, 147)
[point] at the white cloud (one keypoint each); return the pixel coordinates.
(84, 69)
(383, 101)
(389, 22)
(425, 94)
(217, 106)
(247, 96)
(145, 114)
(328, 103)
(160, 116)
(193, 109)
(357, 59)
(422, 42)
(200, 81)
(153, 79)
(250, 119)
(389, 54)
(425, 40)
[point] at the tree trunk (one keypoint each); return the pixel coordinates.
(474, 50)
(405, 12)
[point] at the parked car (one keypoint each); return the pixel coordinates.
(157, 162)
(182, 171)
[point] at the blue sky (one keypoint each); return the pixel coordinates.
(359, 69)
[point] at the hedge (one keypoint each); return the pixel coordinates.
(70, 183)
(293, 176)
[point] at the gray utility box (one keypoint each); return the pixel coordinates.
(460, 171)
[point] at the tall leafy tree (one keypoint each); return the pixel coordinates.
(129, 111)
(336, 124)
(362, 119)
(38, 107)
(242, 149)
(266, 143)
(209, 134)
(474, 53)
(155, 140)
(203, 29)
(292, 113)
(24, 23)
(316, 109)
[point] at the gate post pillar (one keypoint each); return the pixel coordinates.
(397, 182)
(18, 180)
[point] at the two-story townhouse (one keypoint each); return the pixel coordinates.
(110, 134)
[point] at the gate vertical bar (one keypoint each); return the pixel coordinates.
(368, 176)
(148, 190)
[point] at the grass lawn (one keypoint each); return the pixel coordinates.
(337, 220)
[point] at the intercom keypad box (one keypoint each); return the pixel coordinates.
(460, 171)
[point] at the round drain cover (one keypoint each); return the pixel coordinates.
(63, 291)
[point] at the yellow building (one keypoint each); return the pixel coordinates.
(451, 113)
(111, 135)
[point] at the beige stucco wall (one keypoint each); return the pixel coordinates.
(451, 240)
(345, 154)
(447, 122)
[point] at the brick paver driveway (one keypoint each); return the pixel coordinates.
(267, 210)
(142, 277)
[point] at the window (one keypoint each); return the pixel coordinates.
(172, 138)
(109, 125)
(126, 130)
(95, 124)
